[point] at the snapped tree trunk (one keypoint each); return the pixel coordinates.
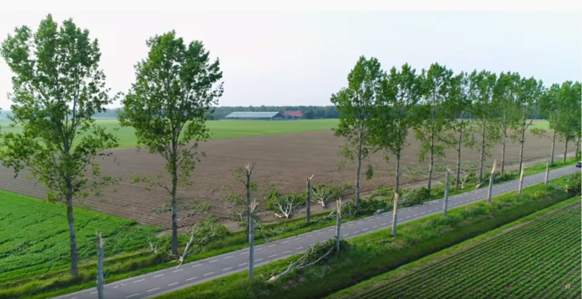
(521, 146)
(490, 189)
(72, 235)
(338, 225)
(446, 201)
(395, 214)
(100, 267)
(553, 148)
(248, 190)
(566, 149)
(482, 158)
(459, 160)
(251, 249)
(308, 200)
(547, 178)
(521, 179)
(174, 213)
(397, 188)
(503, 150)
(358, 184)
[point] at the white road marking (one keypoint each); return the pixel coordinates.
(136, 294)
(374, 226)
(242, 253)
(213, 261)
(209, 273)
(226, 269)
(350, 224)
(384, 223)
(272, 245)
(193, 266)
(298, 248)
(284, 242)
(288, 251)
(173, 283)
(240, 265)
(257, 249)
(356, 232)
(152, 290)
(74, 298)
(115, 287)
(365, 229)
(311, 244)
(163, 274)
(258, 259)
(415, 215)
(274, 255)
(191, 278)
(92, 293)
(140, 280)
(228, 257)
(310, 235)
(177, 270)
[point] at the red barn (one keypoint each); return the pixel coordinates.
(293, 114)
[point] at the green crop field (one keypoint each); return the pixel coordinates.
(34, 236)
(534, 259)
(221, 129)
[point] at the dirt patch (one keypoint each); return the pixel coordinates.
(281, 160)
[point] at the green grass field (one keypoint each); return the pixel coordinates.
(222, 129)
(34, 236)
(537, 258)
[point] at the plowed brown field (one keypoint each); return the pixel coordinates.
(282, 160)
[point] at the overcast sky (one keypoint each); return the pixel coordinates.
(301, 58)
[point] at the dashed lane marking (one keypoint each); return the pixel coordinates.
(140, 280)
(177, 270)
(194, 266)
(226, 269)
(228, 257)
(136, 294)
(298, 248)
(258, 259)
(240, 265)
(213, 261)
(209, 273)
(191, 278)
(163, 274)
(173, 283)
(154, 289)
(274, 255)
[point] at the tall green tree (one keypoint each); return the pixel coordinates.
(431, 117)
(57, 87)
(567, 100)
(458, 107)
(175, 88)
(355, 105)
(505, 96)
(481, 91)
(550, 105)
(400, 92)
(529, 91)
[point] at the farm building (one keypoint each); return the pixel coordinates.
(256, 115)
(293, 114)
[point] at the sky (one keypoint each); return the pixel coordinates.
(300, 57)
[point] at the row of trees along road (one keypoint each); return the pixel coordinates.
(58, 87)
(446, 110)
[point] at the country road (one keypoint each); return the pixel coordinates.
(164, 281)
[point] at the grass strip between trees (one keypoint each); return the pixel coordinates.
(379, 252)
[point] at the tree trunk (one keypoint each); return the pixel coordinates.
(490, 190)
(566, 149)
(521, 179)
(338, 225)
(308, 200)
(521, 146)
(358, 183)
(397, 188)
(553, 148)
(459, 160)
(72, 235)
(430, 167)
(251, 249)
(100, 267)
(482, 158)
(447, 186)
(547, 173)
(577, 147)
(248, 187)
(174, 213)
(395, 214)
(503, 150)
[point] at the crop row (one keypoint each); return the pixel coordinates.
(536, 259)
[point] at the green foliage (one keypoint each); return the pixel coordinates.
(572, 184)
(414, 197)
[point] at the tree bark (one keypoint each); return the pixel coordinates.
(446, 201)
(503, 150)
(490, 190)
(395, 214)
(308, 200)
(459, 159)
(338, 225)
(431, 164)
(397, 188)
(547, 178)
(521, 146)
(358, 175)
(566, 149)
(482, 158)
(72, 235)
(553, 148)
(248, 187)
(251, 249)
(174, 212)
(520, 190)
(100, 267)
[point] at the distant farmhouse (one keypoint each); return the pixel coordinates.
(293, 114)
(256, 115)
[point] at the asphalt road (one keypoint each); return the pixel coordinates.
(164, 281)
